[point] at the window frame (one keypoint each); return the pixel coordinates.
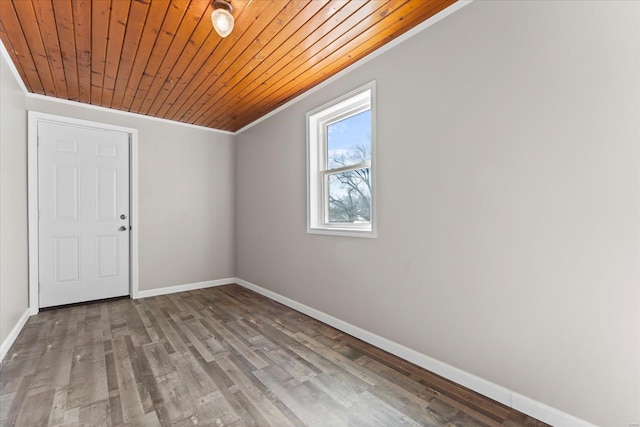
(318, 172)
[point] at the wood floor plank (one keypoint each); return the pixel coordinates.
(88, 376)
(95, 414)
(222, 356)
(54, 368)
(226, 387)
(5, 404)
(12, 373)
(115, 410)
(302, 399)
(36, 408)
(147, 390)
(237, 344)
(213, 408)
(128, 390)
(373, 411)
(200, 346)
(15, 405)
(242, 379)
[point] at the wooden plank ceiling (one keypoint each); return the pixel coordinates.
(162, 58)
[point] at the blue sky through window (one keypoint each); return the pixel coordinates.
(349, 140)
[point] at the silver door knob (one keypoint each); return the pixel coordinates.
(123, 216)
(122, 228)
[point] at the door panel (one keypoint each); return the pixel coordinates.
(66, 257)
(65, 189)
(65, 145)
(106, 257)
(83, 185)
(106, 194)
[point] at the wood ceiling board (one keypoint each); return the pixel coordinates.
(66, 34)
(28, 27)
(250, 58)
(43, 13)
(268, 54)
(172, 20)
(138, 12)
(100, 13)
(238, 55)
(307, 34)
(153, 23)
(329, 37)
(290, 9)
(196, 72)
(248, 25)
(82, 33)
(257, 17)
(337, 59)
(194, 15)
(177, 69)
(162, 58)
(179, 92)
(117, 28)
(292, 71)
(19, 50)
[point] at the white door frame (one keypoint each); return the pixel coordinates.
(32, 167)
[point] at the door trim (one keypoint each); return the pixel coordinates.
(32, 172)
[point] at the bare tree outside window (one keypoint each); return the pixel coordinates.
(350, 191)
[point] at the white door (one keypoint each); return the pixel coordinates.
(83, 197)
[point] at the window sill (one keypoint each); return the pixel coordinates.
(344, 232)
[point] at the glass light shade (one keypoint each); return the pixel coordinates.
(222, 22)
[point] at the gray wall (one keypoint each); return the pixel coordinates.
(14, 271)
(508, 203)
(186, 200)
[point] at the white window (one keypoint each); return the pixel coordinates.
(341, 165)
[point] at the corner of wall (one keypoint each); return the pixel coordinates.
(14, 310)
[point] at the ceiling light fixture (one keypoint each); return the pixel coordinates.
(222, 18)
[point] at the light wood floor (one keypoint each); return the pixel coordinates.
(221, 356)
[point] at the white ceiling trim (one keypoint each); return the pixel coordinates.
(125, 113)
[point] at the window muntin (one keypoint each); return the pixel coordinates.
(341, 141)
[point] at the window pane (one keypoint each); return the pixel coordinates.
(349, 141)
(350, 196)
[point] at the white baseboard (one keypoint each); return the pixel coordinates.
(11, 338)
(182, 288)
(545, 413)
(496, 392)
